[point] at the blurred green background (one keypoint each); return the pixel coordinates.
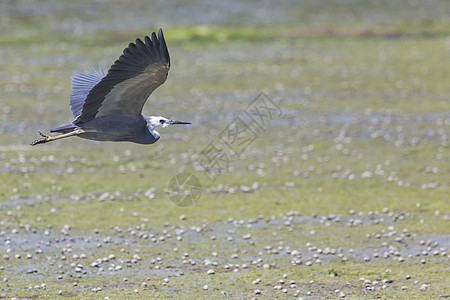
(364, 135)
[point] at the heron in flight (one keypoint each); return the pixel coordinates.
(108, 107)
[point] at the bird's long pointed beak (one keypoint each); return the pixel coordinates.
(178, 122)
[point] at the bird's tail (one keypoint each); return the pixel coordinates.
(66, 128)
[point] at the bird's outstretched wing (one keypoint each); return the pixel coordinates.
(82, 84)
(129, 82)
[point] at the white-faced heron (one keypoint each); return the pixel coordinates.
(109, 107)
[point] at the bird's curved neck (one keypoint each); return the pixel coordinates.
(154, 133)
(151, 127)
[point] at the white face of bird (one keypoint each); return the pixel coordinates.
(158, 121)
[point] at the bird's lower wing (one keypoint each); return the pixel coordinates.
(82, 84)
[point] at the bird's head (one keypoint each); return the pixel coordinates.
(158, 121)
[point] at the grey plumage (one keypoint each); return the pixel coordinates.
(82, 84)
(108, 107)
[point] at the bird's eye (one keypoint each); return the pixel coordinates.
(161, 121)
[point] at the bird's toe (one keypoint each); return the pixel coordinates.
(42, 134)
(39, 141)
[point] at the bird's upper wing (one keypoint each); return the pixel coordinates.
(131, 79)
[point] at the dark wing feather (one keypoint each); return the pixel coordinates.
(131, 79)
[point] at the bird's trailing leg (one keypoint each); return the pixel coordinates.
(46, 138)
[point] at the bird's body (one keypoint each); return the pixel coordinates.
(107, 107)
(115, 128)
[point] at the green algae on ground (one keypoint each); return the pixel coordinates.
(358, 164)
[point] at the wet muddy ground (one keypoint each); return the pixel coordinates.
(339, 189)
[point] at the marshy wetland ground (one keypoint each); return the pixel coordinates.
(342, 192)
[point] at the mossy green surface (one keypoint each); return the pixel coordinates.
(358, 162)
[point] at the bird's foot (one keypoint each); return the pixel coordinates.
(45, 138)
